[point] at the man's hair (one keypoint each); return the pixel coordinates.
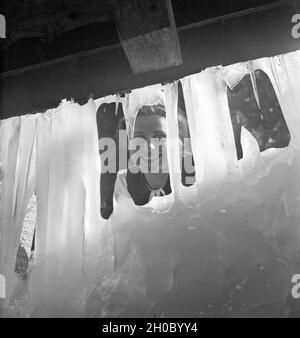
(159, 109)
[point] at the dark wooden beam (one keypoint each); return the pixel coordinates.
(105, 71)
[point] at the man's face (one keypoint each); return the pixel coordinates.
(153, 130)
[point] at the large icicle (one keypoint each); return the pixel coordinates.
(171, 102)
(68, 198)
(254, 83)
(18, 136)
(210, 127)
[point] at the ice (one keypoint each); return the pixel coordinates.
(171, 102)
(253, 81)
(136, 99)
(233, 75)
(117, 103)
(198, 260)
(226, 246)
(17, 138)
(210, 127)
(67, 199)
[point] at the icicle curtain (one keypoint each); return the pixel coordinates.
(226, 245)
(54, 154)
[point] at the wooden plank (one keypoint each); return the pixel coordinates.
(138, 17)
(148, 34)
(108, 71)
(152, 51)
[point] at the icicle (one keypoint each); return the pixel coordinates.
(203, 95)
(171, 101)
(233, 74)
(129, 118)
(17, 188)
(10, 131)
(118, 98)
(67, 201)
(254, 85)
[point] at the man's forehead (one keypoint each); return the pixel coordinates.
(148, 122)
